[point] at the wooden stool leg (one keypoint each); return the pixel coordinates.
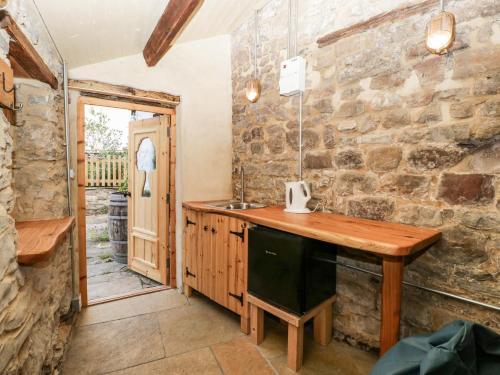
(323, 326)
(257, 324)
(295, 346)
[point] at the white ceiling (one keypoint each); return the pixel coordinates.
(90, 31)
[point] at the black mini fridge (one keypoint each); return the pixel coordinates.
(292, 272)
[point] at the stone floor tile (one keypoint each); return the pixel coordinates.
(337, 358)
(110, 346)
(197, 326)
(240, 357)
(275, 341)
(200, 361)
(128, 307)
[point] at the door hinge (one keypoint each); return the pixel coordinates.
(189, 273)
(189, 222)
(238, 297)
(239, 234)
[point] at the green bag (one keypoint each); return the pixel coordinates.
(459, 348)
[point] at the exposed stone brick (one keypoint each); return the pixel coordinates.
(449, 133)
(461, 110)
(246, 137)
(349, 183)
(491, 108)
(375, 138)
(434, 158)
(428, 114)
(350, 109)
(420, 215)
(466, 188)
(346, 125)
(407, 185)
(486, 128)
(474, 62)
(383, 159)
(256, 148)
(396, 119)
(329, 137)
(310, 139)
(430, 72)
(257, 134)
(318, 161)
(276, 139)
(349, 159)
(371, 208)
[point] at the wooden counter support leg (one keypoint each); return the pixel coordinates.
(188, 291)
(295, 346)
(391, 302)
(322, 325)
(257, 324)
(245, 325)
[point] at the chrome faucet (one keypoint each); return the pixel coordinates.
(242, 192)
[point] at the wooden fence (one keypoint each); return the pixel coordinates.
(105, 170)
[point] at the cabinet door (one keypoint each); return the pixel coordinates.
(220, 252)
(236, 272)
(191, 271)
(206, 259)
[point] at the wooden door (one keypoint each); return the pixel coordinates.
(148, 204)
(220, 253)
(206, 282)
(192, 268)
(236, 265)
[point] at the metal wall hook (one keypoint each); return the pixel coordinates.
(8, 91)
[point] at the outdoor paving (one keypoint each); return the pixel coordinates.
(167, 333)
(105, 277)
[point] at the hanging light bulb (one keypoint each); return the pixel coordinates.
(441, 32)
(253, 87)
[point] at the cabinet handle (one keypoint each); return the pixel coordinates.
(189, 273)
(205, 228)
(189, 222)
(239, 234)
(238, 297)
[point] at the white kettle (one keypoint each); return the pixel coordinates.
(297, 196)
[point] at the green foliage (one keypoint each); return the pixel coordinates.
(98, 135)
(124, 186)
(99, 236)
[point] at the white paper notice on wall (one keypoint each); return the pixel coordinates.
(293, 76)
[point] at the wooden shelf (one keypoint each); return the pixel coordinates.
(39, 239)
(378, 237)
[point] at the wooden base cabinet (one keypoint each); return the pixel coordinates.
(215, 260)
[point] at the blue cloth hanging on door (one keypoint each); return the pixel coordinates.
(458, 348)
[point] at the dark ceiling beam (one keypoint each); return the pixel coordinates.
(176, 16)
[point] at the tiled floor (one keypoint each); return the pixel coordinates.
(166, 333)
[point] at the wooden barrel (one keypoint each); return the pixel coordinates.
(117, 226)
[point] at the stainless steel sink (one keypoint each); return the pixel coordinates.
(236, 205)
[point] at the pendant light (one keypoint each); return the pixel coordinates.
(440, 32)
(253, 87)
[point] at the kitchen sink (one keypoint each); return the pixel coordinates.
(236, 205)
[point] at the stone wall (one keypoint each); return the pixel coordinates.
(34, 301)
(391, 133)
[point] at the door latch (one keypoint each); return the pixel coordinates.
(189, 273)
(238, 297)
(127, 194)
(189, 222)
(239, 234)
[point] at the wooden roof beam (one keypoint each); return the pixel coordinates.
(175, 17)
(25, 60)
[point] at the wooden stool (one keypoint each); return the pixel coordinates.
(322, 315)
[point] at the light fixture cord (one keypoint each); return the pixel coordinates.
(289, 48)
(442, 5)
(255, 45)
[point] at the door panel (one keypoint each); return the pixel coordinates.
(205, 259)
(192, 270)
(236, 260)
(220, 246)
(148, 206)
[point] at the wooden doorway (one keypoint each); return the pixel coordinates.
(169, 167)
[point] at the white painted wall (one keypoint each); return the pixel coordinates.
(200, 72)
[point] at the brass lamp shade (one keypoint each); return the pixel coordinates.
(440, 33)
(252, 90)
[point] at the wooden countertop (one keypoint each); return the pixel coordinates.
(39, 239)
(377, 237)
